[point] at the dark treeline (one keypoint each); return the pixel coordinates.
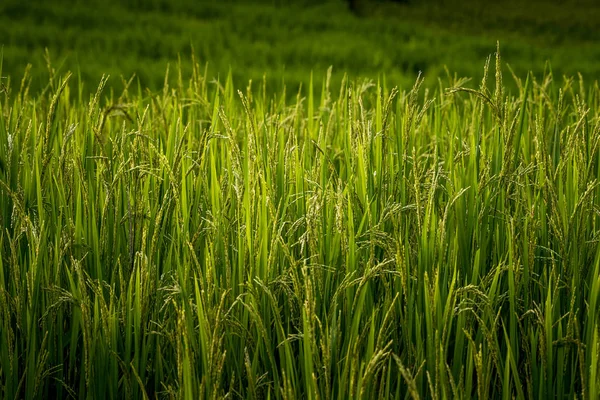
(356, 5)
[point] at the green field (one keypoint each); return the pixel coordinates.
(250, 39)
(191, 235)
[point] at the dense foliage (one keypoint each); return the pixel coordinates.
(365, 243)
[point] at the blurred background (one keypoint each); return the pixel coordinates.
(287, 40)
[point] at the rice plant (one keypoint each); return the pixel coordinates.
(367, 242)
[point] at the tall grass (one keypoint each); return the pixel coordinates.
(205, 242)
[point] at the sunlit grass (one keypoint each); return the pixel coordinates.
(209, 242)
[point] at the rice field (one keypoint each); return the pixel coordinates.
(209, 241)
(287, 39)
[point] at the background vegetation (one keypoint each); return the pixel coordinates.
(291, 39)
